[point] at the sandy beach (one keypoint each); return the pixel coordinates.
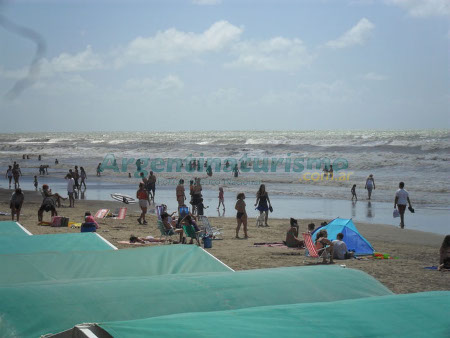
(414, 249)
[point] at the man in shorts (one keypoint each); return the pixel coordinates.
(152, 185)
(70, 190)
(401, 198)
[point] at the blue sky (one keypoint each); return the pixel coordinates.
(226, 65)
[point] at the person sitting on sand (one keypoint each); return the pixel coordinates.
(444, 257)
(16, 203)
(340, 248)
(241, 215)
(191, 220)
(89, 225)
(311, 227)
(170, 225)
(292, 240)
(323, 243)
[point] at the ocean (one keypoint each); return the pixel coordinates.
(279, 159)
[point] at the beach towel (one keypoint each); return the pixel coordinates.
(101, 213)
(74, 225)
(273, 245)
(4, 213)
(44, 223)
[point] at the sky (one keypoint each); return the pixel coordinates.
(224, 65)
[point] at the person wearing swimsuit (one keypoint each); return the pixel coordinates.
(263, 202)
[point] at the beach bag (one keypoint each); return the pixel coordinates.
(395, 214)
(58, 221)
(270, 209)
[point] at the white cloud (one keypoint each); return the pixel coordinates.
(423, 8)
(375, 77)
(170, 82)
(206, 2)
(357, 35)
(82, 61)
(275, 54)
(173, 45)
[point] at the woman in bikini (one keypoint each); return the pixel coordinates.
(241, 215)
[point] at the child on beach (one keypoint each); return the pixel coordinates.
(354, 192)
(35, 183)
(16, 203)
(221, 199)
(241, 215)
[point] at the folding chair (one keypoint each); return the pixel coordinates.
(159, 210)
(101, 213)
(207, 229)
(190, 232)
(163, 230)
(121, 214)
(183, 211)
(311, 251)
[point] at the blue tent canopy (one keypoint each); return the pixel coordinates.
(354, 240)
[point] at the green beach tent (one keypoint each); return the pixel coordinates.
(136, 262)
(11, 228)
(54, 243)
(55, 306)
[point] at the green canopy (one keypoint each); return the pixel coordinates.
(10, 228)
(146, 261)
(44, 307)
(53, 243)
(410, 315)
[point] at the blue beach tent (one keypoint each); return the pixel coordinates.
(354, 240)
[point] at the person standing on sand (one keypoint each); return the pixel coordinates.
(263, 202)
(142, 196)
(16, 175)
(16, 203)
(241, 215)
(70, 190)
(370, 184)
(146, 186)
(152, 185)
(221, 199)
(401, 198)
(180, 193)
(9, 175)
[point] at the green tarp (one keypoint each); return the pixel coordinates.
(28, 310)
(53, 243)
(147, 261)
(10, 228)
(411, 315)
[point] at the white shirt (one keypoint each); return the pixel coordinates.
(402, 195)
(70, 184)
(339, 249)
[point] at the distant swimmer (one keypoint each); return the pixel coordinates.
(56, 161)
(236, 171)
(370, 184)
(39, 157)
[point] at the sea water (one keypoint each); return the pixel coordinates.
(419, 158)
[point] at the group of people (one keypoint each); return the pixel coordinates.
(336, 249)
(13, 173)
(401, 200)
